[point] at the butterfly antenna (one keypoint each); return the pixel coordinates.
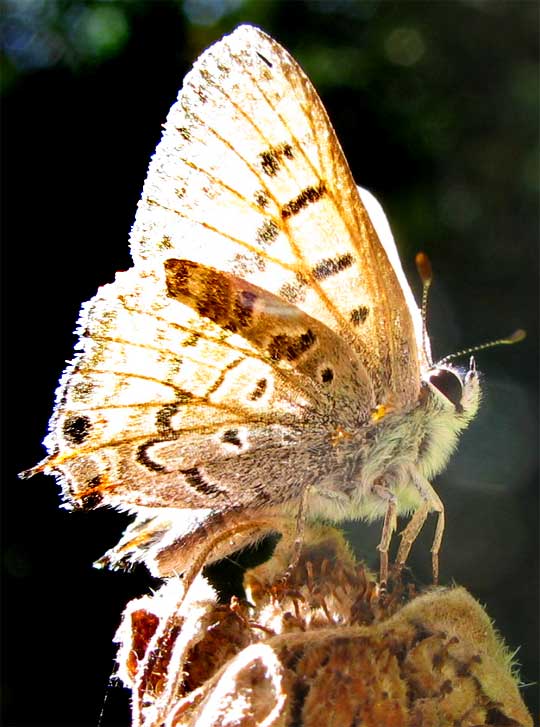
(425, 271)
(515, 337)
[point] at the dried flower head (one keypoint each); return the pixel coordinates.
(326, 647)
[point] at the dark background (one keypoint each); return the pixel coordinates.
(436, 106)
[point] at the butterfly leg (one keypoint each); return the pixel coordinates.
(431, 503)
(389, 526)
(437, 540)
(298, 536)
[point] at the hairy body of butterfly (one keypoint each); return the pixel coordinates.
(265, 352)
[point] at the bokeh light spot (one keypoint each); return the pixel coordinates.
(404, 46)
(209, 12)
(102, 30)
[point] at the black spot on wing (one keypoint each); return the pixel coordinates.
(331, 266)
(307, 196)
(359, 315)
(165, 243)
(267, 233)
(94, 498)
(265, 60)
(270, 159)
(294, 292)
(287, 347)
(165, 414)
(269, 163)
(231, 437)
(143, 458)
(258, 391)
(245, 264)
(327, 375)
(261, 198)
(89, 502)
(163, 418)
(184, 132)
(195, 479)
(286, 150)
(76, 429)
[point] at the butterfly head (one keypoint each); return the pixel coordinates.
(460, 388)
(455, 389)
(449, 400)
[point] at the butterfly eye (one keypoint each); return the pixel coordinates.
(449, 384)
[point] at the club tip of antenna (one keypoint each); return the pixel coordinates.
(516, 336)
(423, 265)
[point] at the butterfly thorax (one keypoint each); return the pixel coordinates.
(395, 451)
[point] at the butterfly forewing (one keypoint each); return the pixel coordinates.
(249, 178)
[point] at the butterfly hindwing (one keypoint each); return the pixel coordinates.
(170, 407)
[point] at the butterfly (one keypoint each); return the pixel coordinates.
(264, 358)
